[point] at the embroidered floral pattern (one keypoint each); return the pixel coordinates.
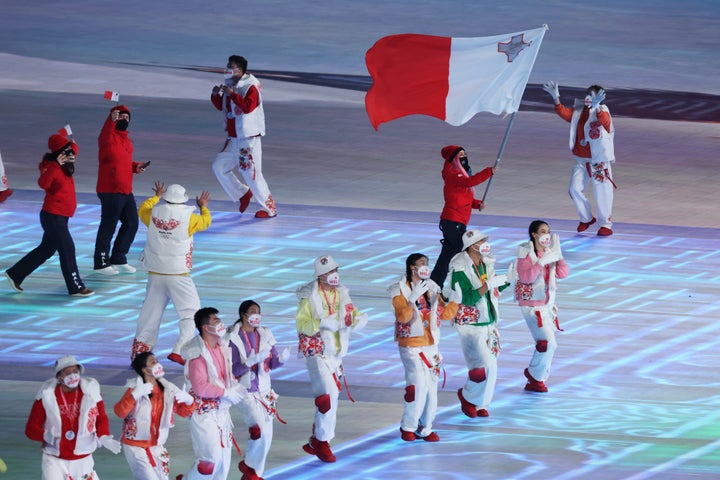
(598, 172)
(245, 159)
(270, 204)
(595, 130)
(165, 225)
(493, 342)
(402, 330)
(349, 308)
(523, 291)
(129, 429)
(311, 345)
(92, 417)
(466, 314)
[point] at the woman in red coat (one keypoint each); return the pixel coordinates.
(56, 178)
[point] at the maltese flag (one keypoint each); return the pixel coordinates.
(449, 78)
(66, 131)
(112, 96)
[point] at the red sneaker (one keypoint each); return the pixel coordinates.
(408, 436)
(320, 450)
(264, 214)
(433, 437)
(483, 413)
(5, 194)
(245, 201)
(604, 232)
(585, 225)
(467, 408)
(534, 385)
(249, 473)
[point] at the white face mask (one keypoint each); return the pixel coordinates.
(227, 74)
(254, 319)
(544, 240)
(333, 279)
(588, 100)
(72, 380)
(157, 371)
(219, 329)
(423, 272)
(484, 249)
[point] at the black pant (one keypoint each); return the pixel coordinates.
(115, 207)
(451, 246)
(56, 238)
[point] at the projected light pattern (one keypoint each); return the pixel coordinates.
(634, 391)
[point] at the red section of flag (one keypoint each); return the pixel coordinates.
(108, 95)
(410, 76)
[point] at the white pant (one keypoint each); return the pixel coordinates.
(322, 381)
(254, 413)
(540, 363)
(54, 468)
(140, 464)
(211, 442)
(479, 346)
(160, 290)
(245, 154)
(421, 411)
(603, 189)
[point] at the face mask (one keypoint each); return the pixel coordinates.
(423, 272)
(220, 329)
(484, 249)
(122, 124)
(588, 100)
(68, 168)
(157, 371)
(544, 240)
(254, 319)
(465, 165)
(333, 279)
(227, 74)
(72, 380)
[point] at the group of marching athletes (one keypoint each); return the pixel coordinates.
(225, 367)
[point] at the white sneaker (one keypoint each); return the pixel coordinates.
(109, 270)
(125, 268)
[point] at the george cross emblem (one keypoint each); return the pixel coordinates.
(323, 261)
(513, 47)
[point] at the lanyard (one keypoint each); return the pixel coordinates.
(331, 306)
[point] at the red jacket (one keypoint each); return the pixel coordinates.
(458, 192)
(116, 166)
(59, 189)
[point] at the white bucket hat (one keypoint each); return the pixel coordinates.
(66, 361)
(175, 194)
(471, 237)
(325, 264)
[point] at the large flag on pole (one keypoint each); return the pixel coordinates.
(449, 78)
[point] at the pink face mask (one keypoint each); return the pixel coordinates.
(254, 319)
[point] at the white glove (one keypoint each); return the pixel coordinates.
(455, 295)
(142, 390)
(555, 244)
(548, 257)
(330, 323)
(184, 397)
(512, 276)
(497, 280)
(361, 320)
(234, 394)
(284, 355)
(596, 98)
(255, 358)
(418, 291)
(50, 436)
(552, 88)
(110, 443)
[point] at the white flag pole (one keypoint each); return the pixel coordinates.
(500, 152)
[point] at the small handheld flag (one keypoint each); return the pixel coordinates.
(112, 96)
